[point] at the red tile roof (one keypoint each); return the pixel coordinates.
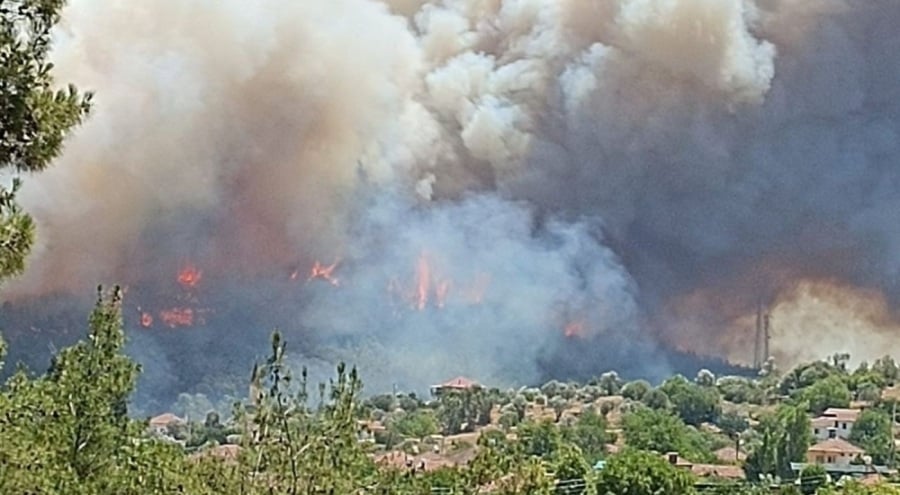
(459, 382)
(165, 419)
(839, 414)
(837, 445)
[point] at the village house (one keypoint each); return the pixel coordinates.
(164, 423)
(833, 451)
(457, 384)
(834, 423)
(840, 458)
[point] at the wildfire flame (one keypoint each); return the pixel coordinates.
(146, 319)
(430, 288)
(177, 317)
(323, 272)
(423, 282)
(182, 315)
(189, 276)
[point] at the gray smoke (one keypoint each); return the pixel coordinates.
(645, 170)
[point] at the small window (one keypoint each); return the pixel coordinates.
(845, 426)
(817, 431)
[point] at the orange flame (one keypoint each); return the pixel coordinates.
(429, 287)
(177, 317)
(324, 272)
(146, 320)
(189, 276)
(423, 282)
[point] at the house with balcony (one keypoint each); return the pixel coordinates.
(841, 458)
(834, 423)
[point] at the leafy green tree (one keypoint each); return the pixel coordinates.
(526, 478)
(35, 118)
(806, 375)
(610, 383)
(552, 388)
(417, 424)
(382, 402)
(559, 406)
(740, 390)
(656, 399)
(572, 471)
(464, 410)
(764, 457)
(783, 437)
(588, 434)
(796, 434)
(868, 391)
(409, 403)
(296, 448)
(695, 404)
(887, 368)
(521, 406)
(661, 431)
(705, 378)
(828, 392)
(539, 438)
(642, 473)
(812, 478)
(636, 390)
(872, 432)
(68, 431)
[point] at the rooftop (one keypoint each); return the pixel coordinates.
(837, 445)
(165, 419)
(841, 414)
(460, 383)
(823, 422)
(851, 469)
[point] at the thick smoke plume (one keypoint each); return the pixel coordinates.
(574, 180)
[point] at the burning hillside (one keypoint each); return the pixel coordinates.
(508, 189)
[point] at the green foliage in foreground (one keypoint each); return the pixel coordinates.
(34, 117)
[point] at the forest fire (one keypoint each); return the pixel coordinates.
(428, 288)
(146, 319)
(189, 276)
(322, 272)
(177, 317)
(183, 314)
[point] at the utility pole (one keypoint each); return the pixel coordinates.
(758, 357)
(767, 334)
(893, 442)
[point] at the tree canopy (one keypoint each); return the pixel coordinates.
(35, 116)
